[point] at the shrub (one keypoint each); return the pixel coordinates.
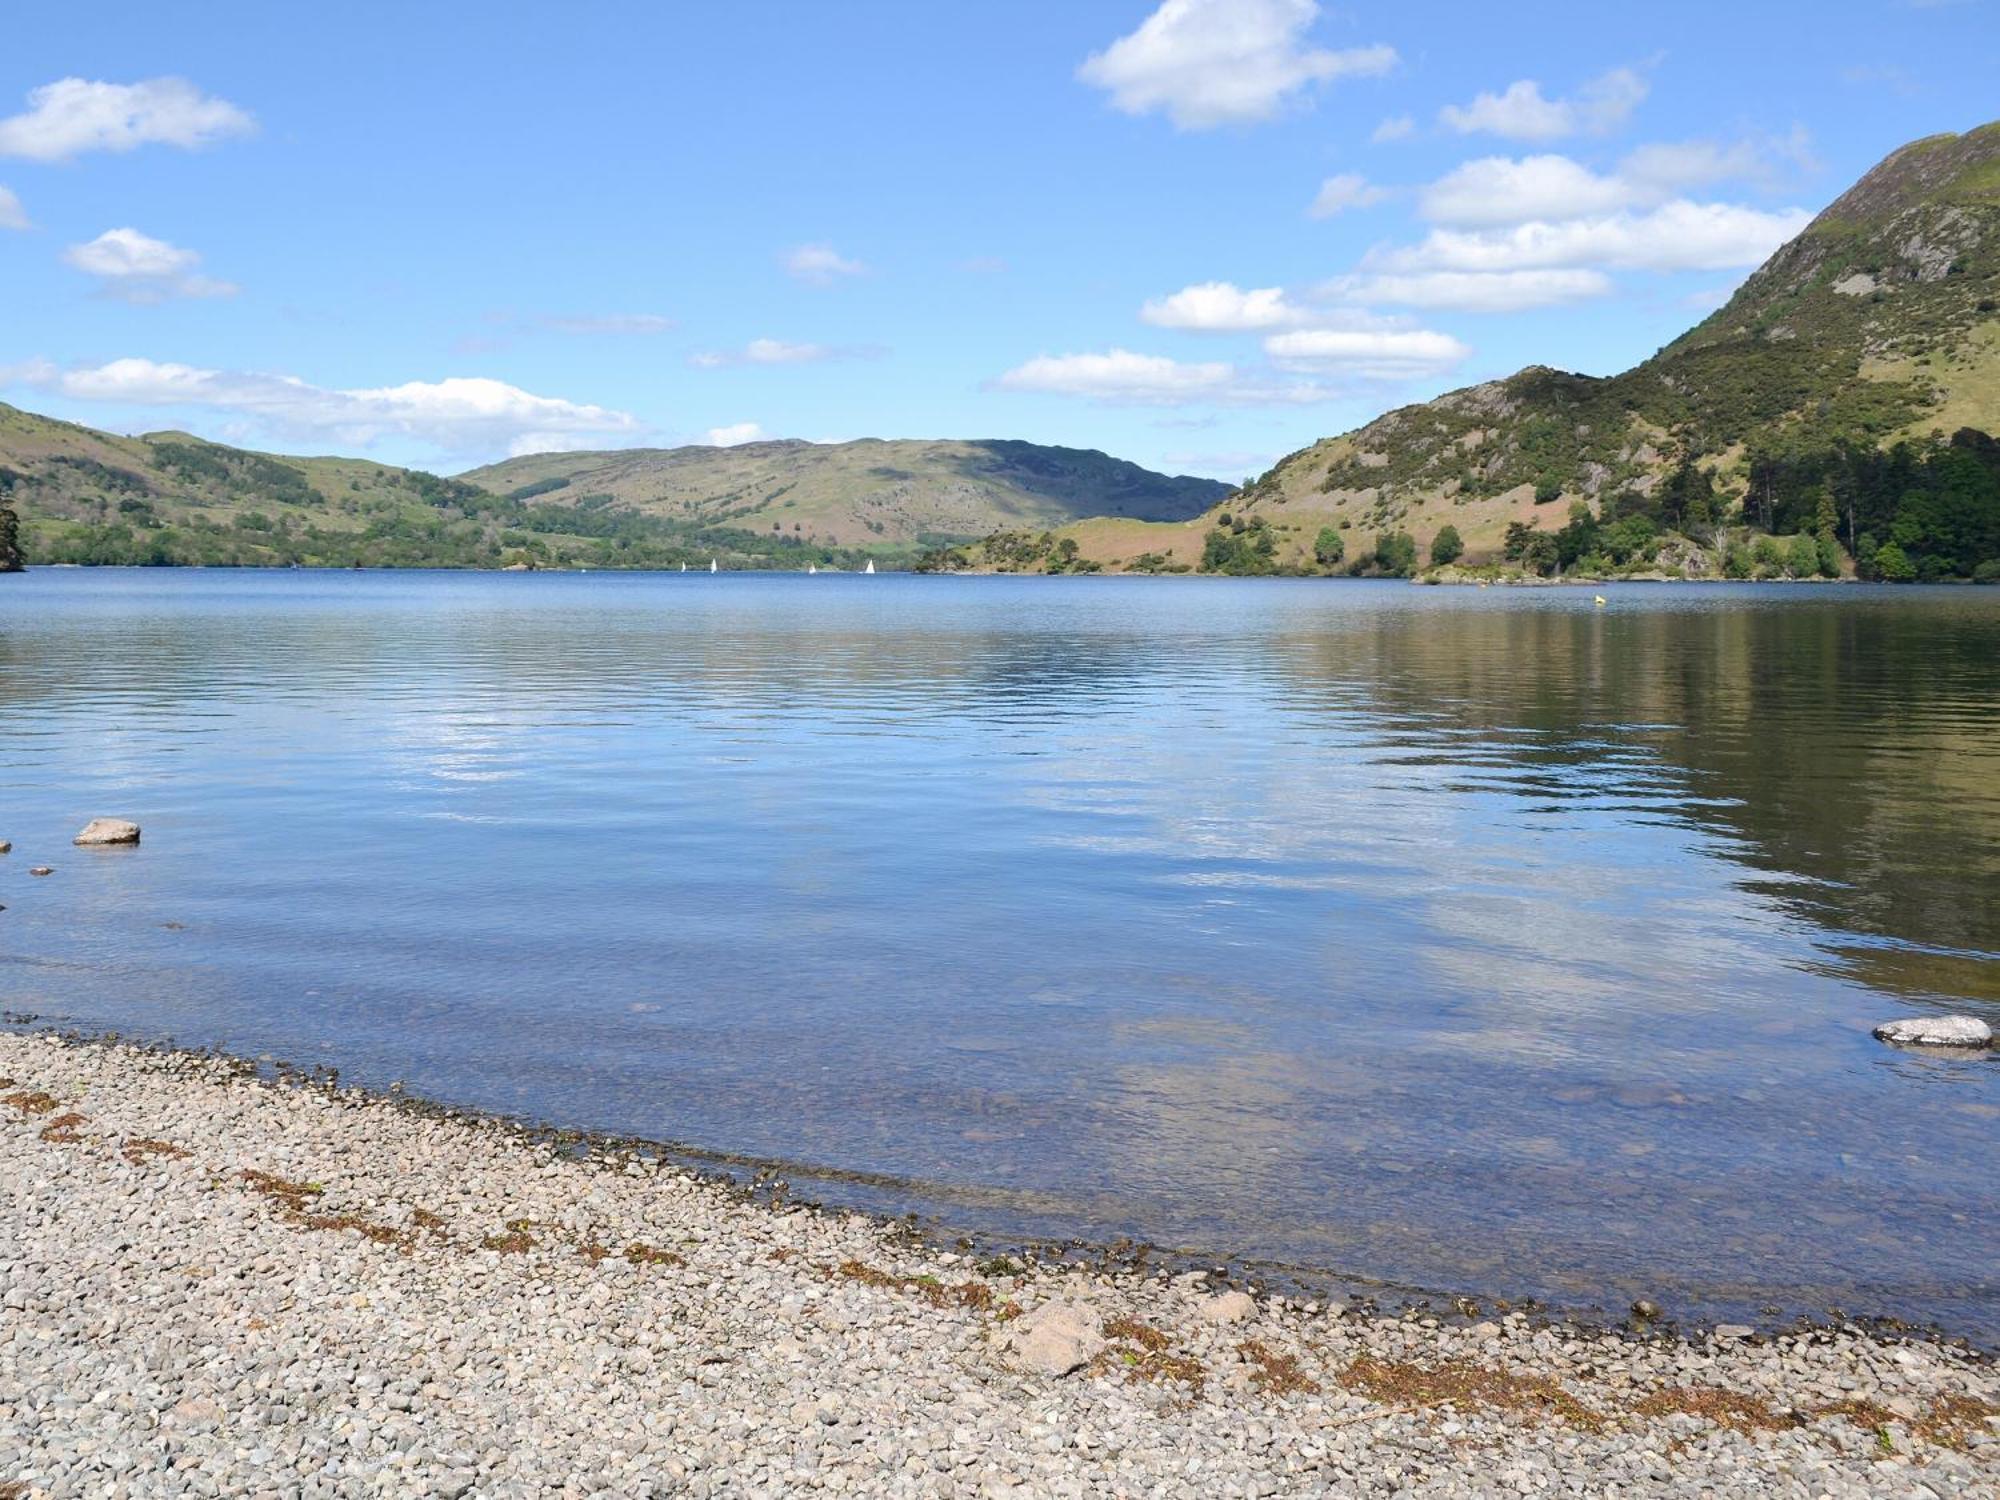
(1447, 546)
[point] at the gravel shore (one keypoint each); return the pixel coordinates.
(216, 1285)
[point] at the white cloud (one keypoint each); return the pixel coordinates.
(1499, 190)
(135, 267)
(1119, 377)
(1395, 128)
(734, 434)
(12, 215)
(66, 118)
(1472, 291)
(1676, 236)
(1521, 113)
(611, 323)
(821, 265)
(774, 352)
(471, 418)
(1223, 307)
(1346, 190)
(1222, 62)
(1377, 353)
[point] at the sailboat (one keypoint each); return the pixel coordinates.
(812, 567)
(871, 566)
(711, 565)
(684, 567)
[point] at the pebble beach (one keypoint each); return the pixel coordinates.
(215, 1283)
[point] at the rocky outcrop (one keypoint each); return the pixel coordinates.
(1935, 1031)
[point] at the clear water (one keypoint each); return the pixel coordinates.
(1461, 939)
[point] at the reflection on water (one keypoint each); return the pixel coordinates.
(1456, 938)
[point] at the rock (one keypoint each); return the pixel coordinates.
(42, 870)
(1645, 1310)
(1054, 1339)
(5, 847)
(1935, 1031)
(1733, 1331)
(1229, 1307)
(108, 831)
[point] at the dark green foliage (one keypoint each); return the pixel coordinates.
(1329, 548)
(1937, 502)
(1892, 565)
(10, 541)
(1396, 554)
(539, 487)
(1245, 550)
(1447, 546)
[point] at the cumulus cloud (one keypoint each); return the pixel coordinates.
(1223, 307)
(610, 323)
(471, 418)
(1677, 236)
(1223, 62)
(821, 265)
(1346, 190)
(135, 267)
(1376, 353)
(12, 215)
(734, 434)
(1522, 113)
(66, 118)
(1118, 377)
(1499, 190)
(1395, 128)
(1472, 291)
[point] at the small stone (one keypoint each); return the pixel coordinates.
(5, 847)
(1229, 1307)
(1733, 1331)
(42, 870)
(1645, 1311)
(108, 831)
(1935, 1031)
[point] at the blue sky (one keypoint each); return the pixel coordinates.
(1197, 234)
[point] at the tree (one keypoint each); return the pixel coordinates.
(1396, 553)
(1893, 564)
(1329, 547)
(10, 541)
(1802, 556)
(1447, 546)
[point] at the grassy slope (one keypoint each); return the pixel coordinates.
(1790, 361)
(862, 492)
(784, 503)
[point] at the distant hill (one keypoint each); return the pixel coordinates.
(86, 496)
(1879, 323)
(859, 493)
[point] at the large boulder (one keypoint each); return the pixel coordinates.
(1229, 1307)
(1055, 1339)
(108, 831)
(1935, 1031)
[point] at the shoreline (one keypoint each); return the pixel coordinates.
(212, 1277)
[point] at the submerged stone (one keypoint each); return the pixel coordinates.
(1935, 1031)
(108, 831)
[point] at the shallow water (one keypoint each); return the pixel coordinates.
(1462, 939)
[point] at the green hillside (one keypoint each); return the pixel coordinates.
(859, 493)
(84, 496)
(1841, 374)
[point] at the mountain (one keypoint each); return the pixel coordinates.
(1878, 324)
(95, 497)
(858, 493)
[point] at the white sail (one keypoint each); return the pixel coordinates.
(684, 567)
(871, 566)
(711, 565)
(812, 568)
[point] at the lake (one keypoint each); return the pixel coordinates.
(1455, 939)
